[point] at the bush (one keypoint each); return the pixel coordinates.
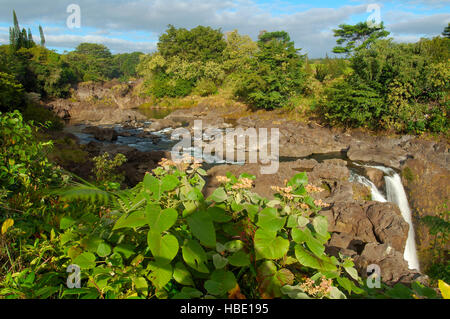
(205, 87)
(43, 117)
(275, 74)
(352, 105)
(11, 93)
(23, 160)
(397, 86)
(165, 87)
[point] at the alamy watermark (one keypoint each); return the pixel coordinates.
(74, 19)
(374, 20)
(374, 279)
(74, 279)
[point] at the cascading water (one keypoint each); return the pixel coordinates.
(376, 194)
(396, 194)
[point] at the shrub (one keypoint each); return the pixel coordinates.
(23, 161)
(353, 105)
(205, 87)
(11, 93)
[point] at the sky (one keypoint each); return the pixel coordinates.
(135, 25)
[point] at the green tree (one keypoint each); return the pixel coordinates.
(199, 44)
(275, 74)
(126, 64)
(11, 93)
(356, 37)
(41, 33)
(91, 62)
(446, 32)
(19, 38)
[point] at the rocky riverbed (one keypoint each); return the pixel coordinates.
(371, 232)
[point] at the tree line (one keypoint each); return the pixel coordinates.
(377, 83)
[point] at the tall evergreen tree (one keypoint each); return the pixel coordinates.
(30, 39)
(446, 32)
(41, 32)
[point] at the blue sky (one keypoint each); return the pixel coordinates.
(126, 26)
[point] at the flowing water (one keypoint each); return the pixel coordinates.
(395, 193)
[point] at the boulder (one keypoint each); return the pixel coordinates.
(101, 134)
(158, 125)
(375, 176)
(387, 154)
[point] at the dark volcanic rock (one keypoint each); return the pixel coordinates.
(102, 134)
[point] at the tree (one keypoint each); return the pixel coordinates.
(41, 33)
(357, 37)
(91, 62)
(19, 38)
(126, 64)
(446, 32)
(199, 44)
(275, 74)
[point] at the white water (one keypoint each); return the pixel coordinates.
(396, 194)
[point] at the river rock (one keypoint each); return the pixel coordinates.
(388, 155)
(394, 268)
(101, 134)
(375, 176)
(159, 125)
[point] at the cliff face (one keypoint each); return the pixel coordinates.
(101, 103)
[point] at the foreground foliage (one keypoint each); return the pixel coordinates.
(162, 238)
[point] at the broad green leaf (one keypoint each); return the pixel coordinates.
(153, 185)
(133, 220)
(160, 220)
(234, 246)
(305, 236)
(294, 292)
(239, 259)
(320, 224)
(188, 293)
(91, 243)
(219, 195)
(269, 246)
(140, 283)
(202, 228)
(160, 274)
(66, 222)
(219, 261)
(219, 215)
(423, 291)
(169, 183)
(182, 275)
(345, 283)
(194, 256)
(220, 283)
(268, 219)
(103, 249)
(85, 260)
(352, 272)
(335, 293)
(308, 259)
(126, 250)
(300, 179)
(164, 248)
(271, 279)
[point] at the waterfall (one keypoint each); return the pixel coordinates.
(376, 194)
(396, 194)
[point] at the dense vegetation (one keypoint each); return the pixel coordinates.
(163, 238)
